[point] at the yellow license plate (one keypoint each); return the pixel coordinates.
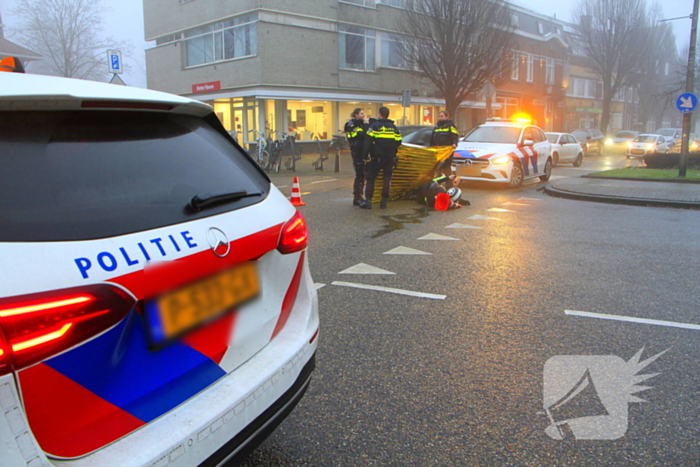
(186, 308)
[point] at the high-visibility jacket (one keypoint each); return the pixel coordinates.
(356, 131)
(383, 140)
(444, 134)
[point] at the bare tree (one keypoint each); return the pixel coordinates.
(615, 35)
(67, 33)
(457, 44)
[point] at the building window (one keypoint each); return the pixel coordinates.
(580, 87)
(356, 48)
(530, 68)
(619, 95)
(515, 67)
(515, 20)
(540, 28)
(234, 38)
(549, 76)
(391, 52)
(367, 3)
(667, 68)
(396, 3)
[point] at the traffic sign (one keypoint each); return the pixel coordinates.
(686, 102)
(115, 61)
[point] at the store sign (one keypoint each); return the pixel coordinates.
(206, 87)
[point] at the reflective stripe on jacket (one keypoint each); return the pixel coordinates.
(383, 139)
(444, 134)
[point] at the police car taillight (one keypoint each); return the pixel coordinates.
(38, 326)
(294, 236)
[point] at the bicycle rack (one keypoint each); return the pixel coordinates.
(318, 164)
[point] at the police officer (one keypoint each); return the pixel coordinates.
(356, 132)
(382, 143)
(435, 195)
(445, 134)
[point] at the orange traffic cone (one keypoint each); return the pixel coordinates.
(296, 194)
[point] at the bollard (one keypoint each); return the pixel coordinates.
(337, 161)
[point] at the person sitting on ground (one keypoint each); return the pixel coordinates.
(433, 194)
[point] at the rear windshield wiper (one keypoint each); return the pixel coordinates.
(205, 200)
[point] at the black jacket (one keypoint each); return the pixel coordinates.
(356, 132)
(383, 140)
(444, 134)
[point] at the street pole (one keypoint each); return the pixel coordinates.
(689, 88)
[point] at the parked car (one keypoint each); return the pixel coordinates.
(156, 305)
(565, 148)
(591, 140)
(647, 144)
(620, 139)
(504, 151)
(673, 137)
(419, 137)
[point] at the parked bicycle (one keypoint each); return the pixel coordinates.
(338, 142)
(260, 154)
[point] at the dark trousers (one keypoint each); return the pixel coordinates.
(359, 164)
(373, 168)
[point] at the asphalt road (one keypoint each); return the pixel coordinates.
(464, 380)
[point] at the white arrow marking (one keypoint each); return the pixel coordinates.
(457, 225)
(434, 236)
(402, 250)
(318, 285)
(516, 204)
(478, 217)
(687, 102)
(631, 319)
(390, 290)
(363, 268)
(499, 210)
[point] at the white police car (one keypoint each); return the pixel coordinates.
(504, 151)
(156, 305)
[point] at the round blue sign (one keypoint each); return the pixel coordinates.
(686, 102)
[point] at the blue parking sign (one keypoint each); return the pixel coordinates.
(686, 102)
(115, 61)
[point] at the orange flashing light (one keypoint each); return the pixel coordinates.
(44, 306)
(52, 336)
(521, 117)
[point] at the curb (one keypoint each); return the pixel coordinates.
(559, 193)
(634, 179)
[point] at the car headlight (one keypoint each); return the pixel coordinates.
(501, 160)
(650, 146)
(609, 141)
(629, 144)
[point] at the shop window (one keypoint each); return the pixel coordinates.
(515, 67)
(356, 48)
(309, 120)
(226, 40)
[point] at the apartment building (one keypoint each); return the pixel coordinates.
(306, 65)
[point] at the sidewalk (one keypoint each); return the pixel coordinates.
(635, 192)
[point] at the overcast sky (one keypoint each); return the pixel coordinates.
(124, 21)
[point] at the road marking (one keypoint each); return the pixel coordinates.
(457, 225)
(632, 319)
(499, 210)
(434, 236)
(478, 217)
(325, 181)
(402, 250)
(410, 293)
(530, 199)
(363, 268)
(516, 204)
(306, 193)
(318, 285)
(283, 186)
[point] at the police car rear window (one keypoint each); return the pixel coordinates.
(95, 174)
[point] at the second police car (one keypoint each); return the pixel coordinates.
(156, 305)
(504, 151)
